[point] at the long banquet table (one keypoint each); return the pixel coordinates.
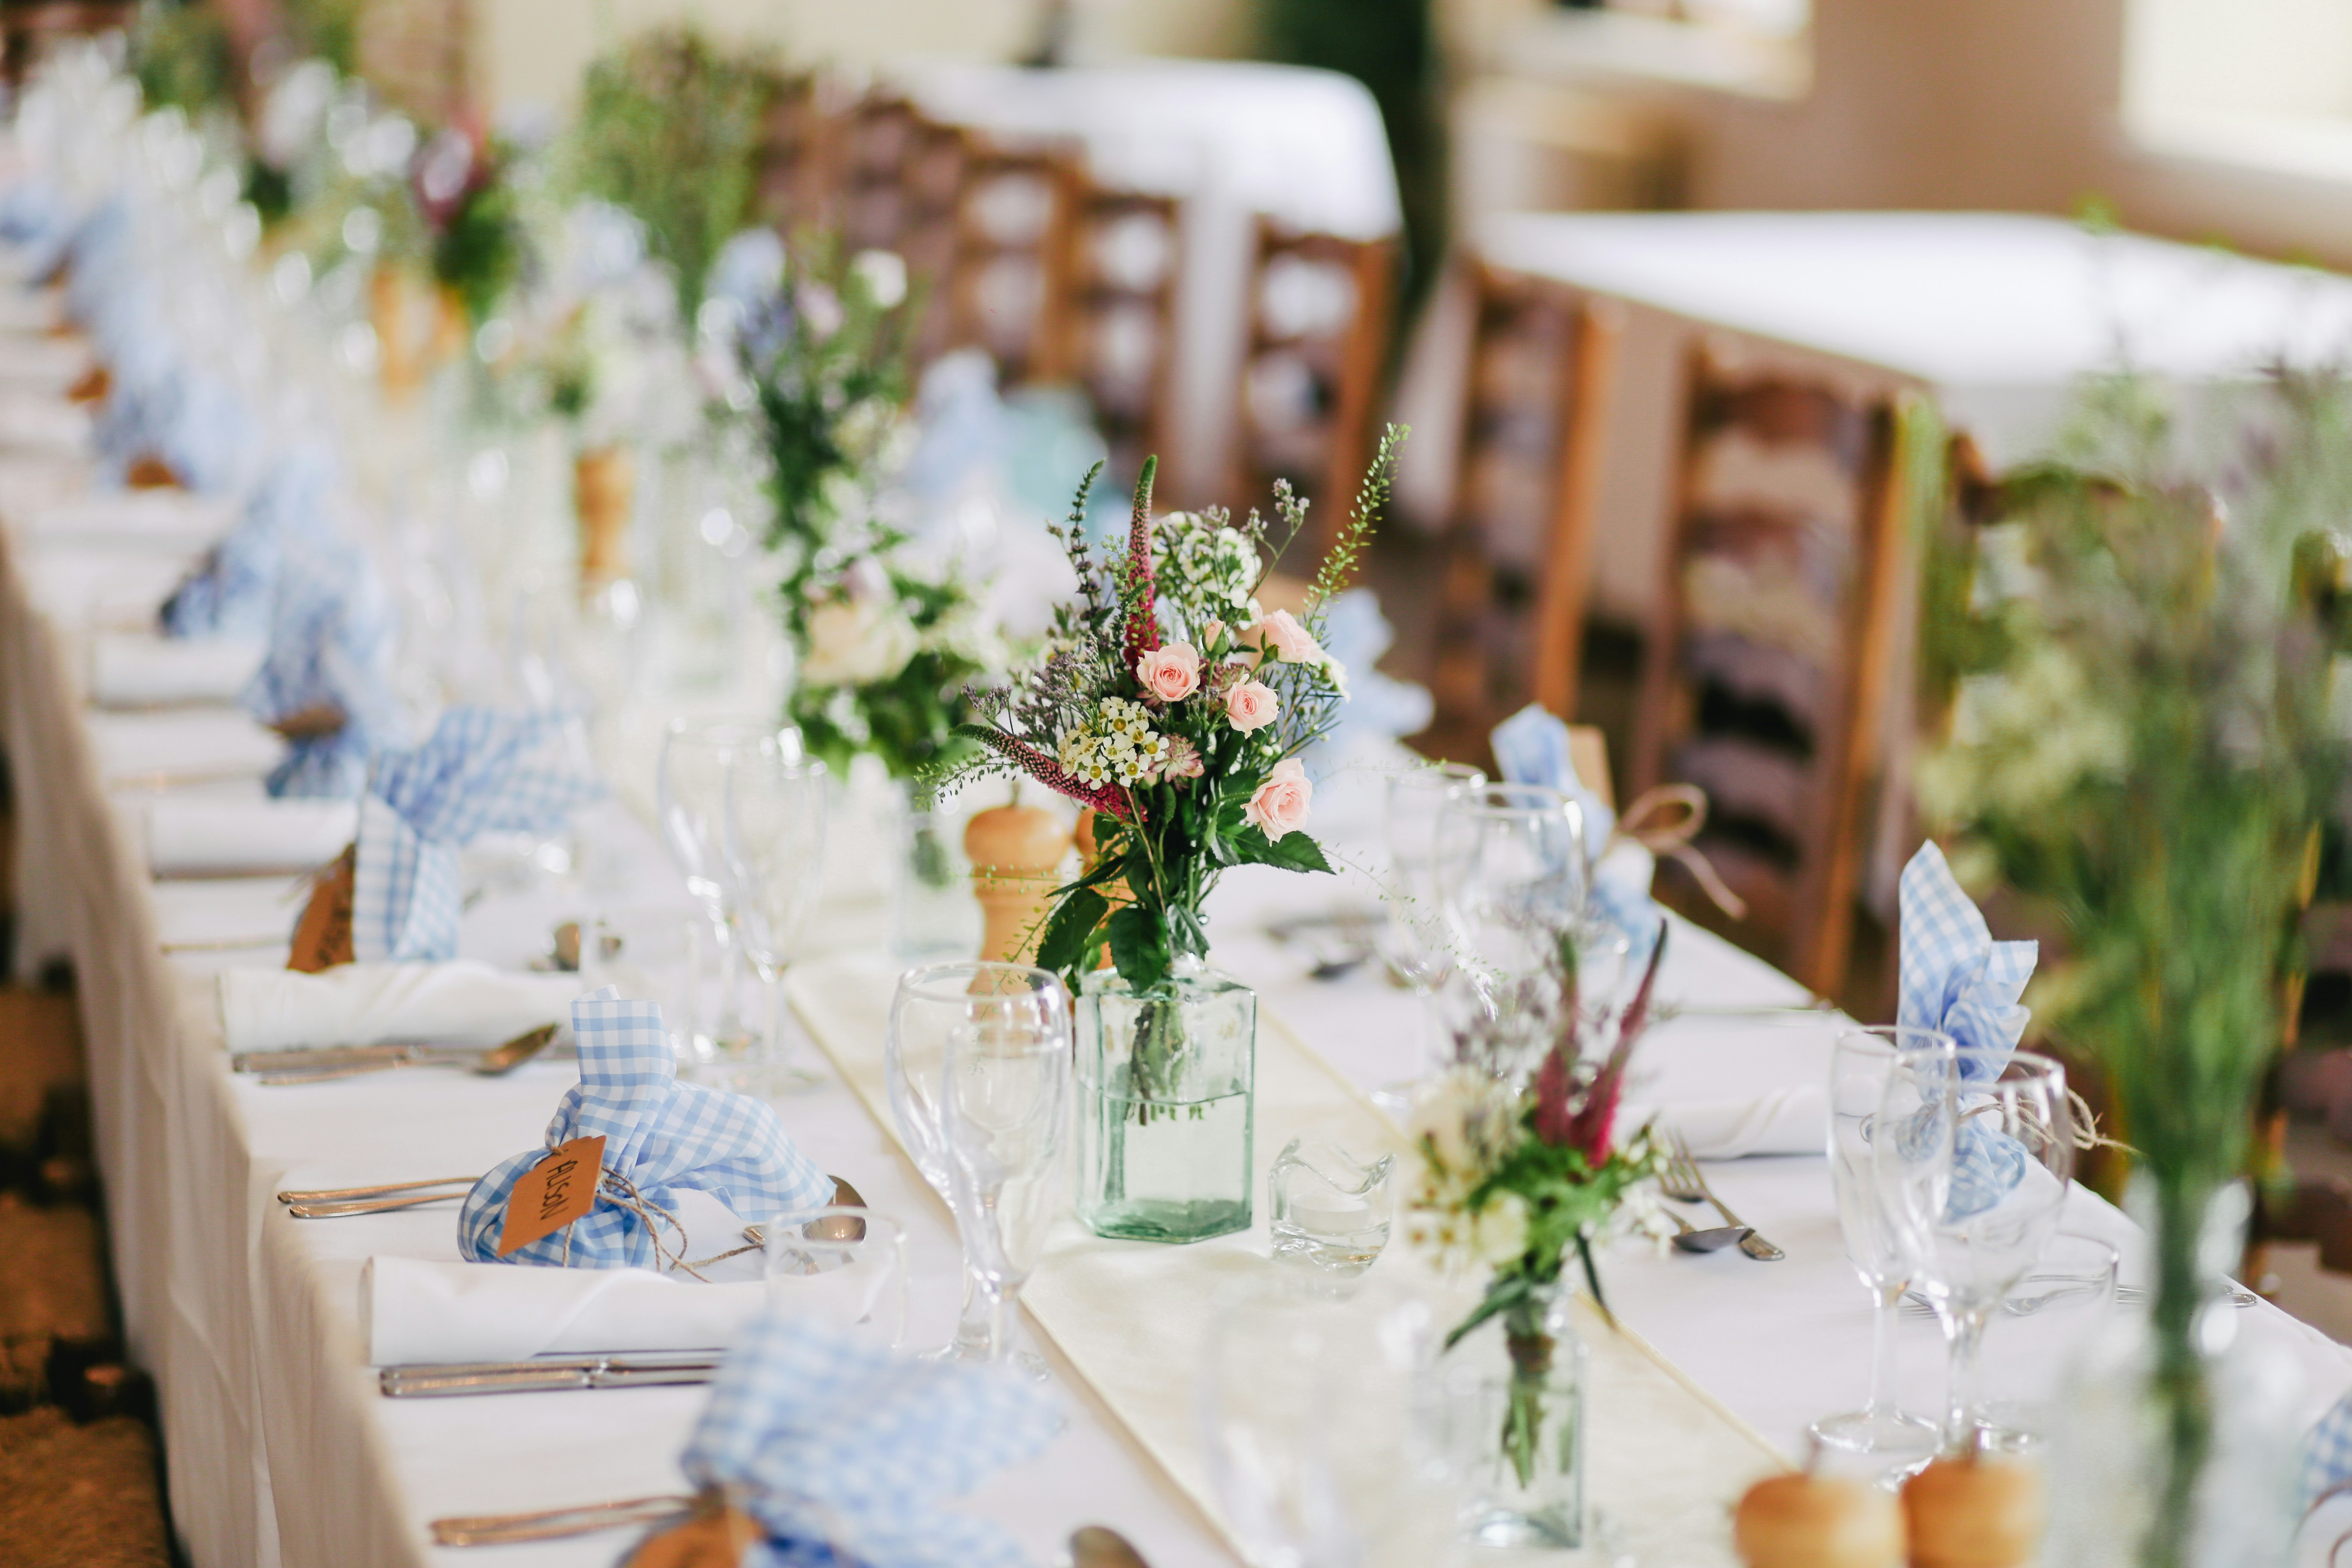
(281, 1450)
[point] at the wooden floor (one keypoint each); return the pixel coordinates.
(80, 1479)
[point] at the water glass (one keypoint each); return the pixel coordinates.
(2067, 1301)
(775, 826)
(1004, 1116)
(847, 1266)
(1004, 1023)
(1973, 1154)
(1314, 1423)
(1331, 1211)
(1860, 1064)
(1511, 872)
(692, 802)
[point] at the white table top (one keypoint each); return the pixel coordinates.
(2001, 313)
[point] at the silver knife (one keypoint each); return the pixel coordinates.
(647, 1370)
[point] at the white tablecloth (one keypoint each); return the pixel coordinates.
(1235, 139)
(281, 1449)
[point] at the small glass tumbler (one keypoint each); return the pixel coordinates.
(1331, 1211)
(848, 1267)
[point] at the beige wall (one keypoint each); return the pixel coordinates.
(532, 51)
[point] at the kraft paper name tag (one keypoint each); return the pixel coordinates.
(711, 1539)
(553, 1192)
(323, 937)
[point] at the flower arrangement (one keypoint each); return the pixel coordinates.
(464, 188)
(2142, 742)
(1514, 1181)
(669, 129)
(1170, 704)
(890, 642)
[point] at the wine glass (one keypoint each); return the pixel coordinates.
(1415, 942)
(937, 1011)
(775, 860)
(691, 800)
(1004, 1115)
(1973, 1154)
(1860, 1063)
(1510, 870)
(847, 1266)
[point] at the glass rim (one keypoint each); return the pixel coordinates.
(950, 981)
(1457, 776)
(1892, 1037)
(790, 761)
(833, 1211)
(1533, 800)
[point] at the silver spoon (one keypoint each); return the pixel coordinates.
(1100, 1546)
(1691, 1239)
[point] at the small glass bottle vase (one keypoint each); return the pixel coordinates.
(1511, 1401)
(1167, 1105)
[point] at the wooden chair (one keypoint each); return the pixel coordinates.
(1518, 546)
(797, 151)
(1318, 333)
(1012, 252)
(1111, 321)
(1766, 666)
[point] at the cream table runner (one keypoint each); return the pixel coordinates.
(1666, 1463)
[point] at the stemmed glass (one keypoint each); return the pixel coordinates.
(1510, 869)
(775, 863)
(1417, 943)
(691, 797)
(977, 1061)
(1974, 1155)
(1860, 1063)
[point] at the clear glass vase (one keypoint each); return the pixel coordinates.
(1167, 1105)
(934, 914)
(2185, 1459)
(1509, 1406)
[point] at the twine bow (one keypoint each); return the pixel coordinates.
(1664, 819)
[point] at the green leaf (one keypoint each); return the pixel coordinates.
(1510, 1290)
(1063, 946)
(1138, 947)
(1186, 933)
(1293, 852)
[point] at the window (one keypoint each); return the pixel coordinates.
(2266, 82)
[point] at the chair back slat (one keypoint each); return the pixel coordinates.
(1112, 325)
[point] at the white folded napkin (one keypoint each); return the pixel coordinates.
(461, 1003)
(98, 586)
(1793, 1120)
(411, 1310)
(225, 837)
(37, 363)
(139, 669)
(131, 517)
(200, 743)
(43, 419)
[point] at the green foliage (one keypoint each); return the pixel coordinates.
(2144, 743)
(180, 53)
(669, 129)
(477, 251)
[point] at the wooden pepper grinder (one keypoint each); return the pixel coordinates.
(1016, 855)
(1975, 1510)
(603, 490)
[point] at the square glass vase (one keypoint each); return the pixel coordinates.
(1167, 1105)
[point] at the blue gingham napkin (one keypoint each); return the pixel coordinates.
(2328, 1452)
(188, 418)
(844, 1452)
(230, 593)
(660, 1135)
(481, 770)
(1955, 978)
(1531, 748)
(331, 644)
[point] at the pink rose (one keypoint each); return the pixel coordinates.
(1171, 673)
(1251, 705)
(1289, 640)
(1280, 803)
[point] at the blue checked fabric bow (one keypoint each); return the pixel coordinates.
(331, 647)
(845, 1451)
(2328, 1452)
(660, 1135)
(1531, 748)
(230, 593)
(482, 770)
(1955, 978)
(191, 420)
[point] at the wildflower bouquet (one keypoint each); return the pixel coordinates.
(888, 642)
(1175, 709)
(464, 187)
(1514, 1181)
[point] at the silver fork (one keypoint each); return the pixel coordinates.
(1679, 1179)
(558, 1523)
